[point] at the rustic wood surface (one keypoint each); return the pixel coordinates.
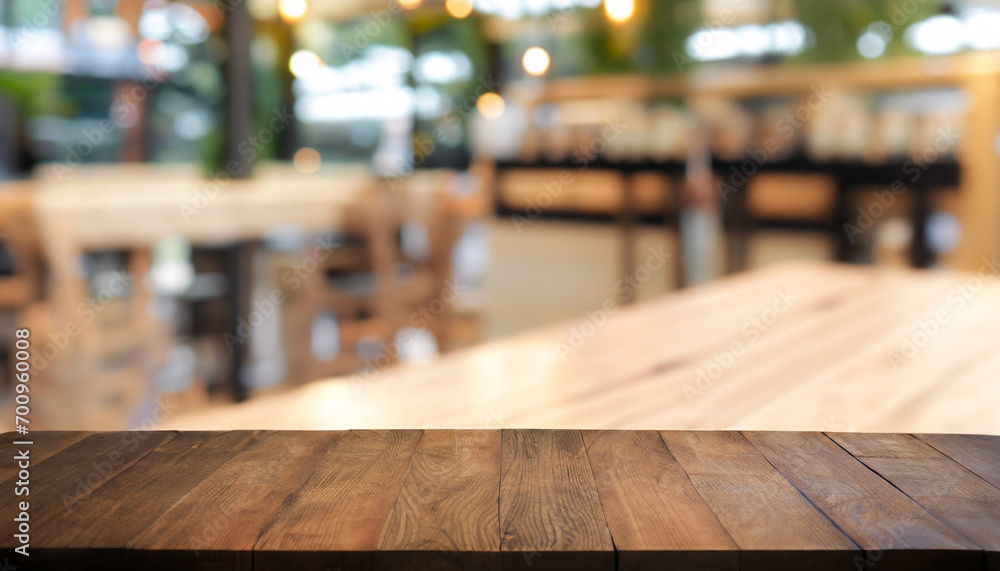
(791, 347)
(509, 499)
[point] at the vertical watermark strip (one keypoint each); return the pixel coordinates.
(22, 456)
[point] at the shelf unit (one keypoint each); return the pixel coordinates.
(974, 170)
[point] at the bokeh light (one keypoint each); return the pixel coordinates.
(536, 61)
(458, 8)
(307, 160)
(292, 11)
(491, 105)
(619, 11)
(304, 62)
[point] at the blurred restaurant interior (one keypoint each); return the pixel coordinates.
(303, 213)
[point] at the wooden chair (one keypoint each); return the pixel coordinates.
(385, 272)
(20, 268)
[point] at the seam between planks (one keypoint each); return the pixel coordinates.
(402, 483)
(955, 460)
(173, 435)
(254, 434)
(659, 436)
(254, 438)
(35, 463)
(499, 499)
(900, 490)
(858, 548)
(590, 463)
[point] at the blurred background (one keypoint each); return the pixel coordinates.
(208, 201)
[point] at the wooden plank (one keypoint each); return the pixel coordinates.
(945, 488)
(767, 517)
(514, 499)
(979, 453)
(335, 519)
(446, 515)
(139, 495)
(550, 468)
(218, 522)
(133, 500)
(655, 515)
(69, 478)
(893, 530)
(45, 444)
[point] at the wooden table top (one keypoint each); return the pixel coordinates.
(789, 347)
(505, 499)
(126, 207)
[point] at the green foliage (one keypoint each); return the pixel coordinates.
(34, 93)
(667, 27)
(837, 25)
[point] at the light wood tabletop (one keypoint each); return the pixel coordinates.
(135, 207)
(789, 347)
(502, 499)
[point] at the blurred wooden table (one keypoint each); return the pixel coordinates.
(791, 347)
(131, 207)
(505, 499)
(123, 207)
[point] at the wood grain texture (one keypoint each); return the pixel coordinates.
(219, 521)
(980, 454)
(822, 364)
(512, 499)
(69, 478)
(136, 498)
(893, 530)
(335, 519)
(139, 495)
(655, 515)
(945, 488)
(550, 511)
(446, 515)
(45, 444)
(772, 523)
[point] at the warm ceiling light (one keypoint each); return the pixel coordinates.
(307, 160)
(458, 8)
(410, 4)
(536, 61)
(304, 62)
(490, 105)
(619, 11)
(292, 11)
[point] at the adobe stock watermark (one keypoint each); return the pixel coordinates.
(44, 14)
(930, 326)
(367, 32)
(293, 278)
(419, 319)
(726, 17)
(216, 523)
(424, 146)
(785, 128)
(105, 466)
(495, 418)
(249, 148)
(581, 158)
(914, 168)
(86, 312)
(626, 287)
(752, 329)
(123, 111)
